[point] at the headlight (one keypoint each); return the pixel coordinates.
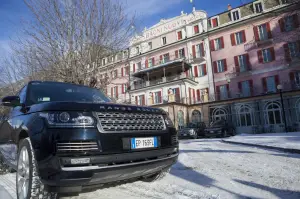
(192, 132)
(68, 119)
(168, 121)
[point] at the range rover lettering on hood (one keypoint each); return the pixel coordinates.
(126, 108)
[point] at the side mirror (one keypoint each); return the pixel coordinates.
(11, 101)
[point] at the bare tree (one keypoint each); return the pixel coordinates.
(67, 40)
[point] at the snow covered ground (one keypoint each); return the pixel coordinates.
(282, 140)
(208, 168)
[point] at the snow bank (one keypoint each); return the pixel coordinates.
(282, 140)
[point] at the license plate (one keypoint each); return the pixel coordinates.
(80, 161)
(141, 143)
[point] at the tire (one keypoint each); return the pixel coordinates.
(27, 175)
(157, 176)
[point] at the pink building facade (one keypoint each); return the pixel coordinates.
(227, 66)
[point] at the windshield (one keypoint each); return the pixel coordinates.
(54, 91)
(217, 123)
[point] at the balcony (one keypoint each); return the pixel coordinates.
(257, 44)
(161, 65)
(163, 80)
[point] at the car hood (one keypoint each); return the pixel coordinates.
(91, 107)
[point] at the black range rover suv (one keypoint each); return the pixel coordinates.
(65, 138)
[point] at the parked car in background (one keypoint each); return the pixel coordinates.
(219, 128)
(192, 130)
(69, 137)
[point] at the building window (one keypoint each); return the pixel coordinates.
(139, 66)
(115, 92)
(127, 70)
(150, 62)
(141, 99)
(273, 111)
(115, 74)
(242, 63)
(199, 50)
(103, 62)
(166, 58)
(246, 90)
(235, 15)
(125, 54)
(239, 38)
(293, 49)
(267, 55)
(297, 78)
(137, 50)
(157, 97)
(196, 29)
(202, 70)
(271, 84)
(245, 115)
(124, 88)
(181, 53)
(164, 40)
(218, 43)
(219, 114)
(258, 7)
(150, 45)
(179, 35)
(220, 66)
(196, 117)
(263, 32)
(289, 23)
(224, 92)
(214, 22)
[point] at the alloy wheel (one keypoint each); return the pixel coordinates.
(23, 173)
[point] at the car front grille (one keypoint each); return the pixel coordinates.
(77, 146)
(116, 121)
(174, 139)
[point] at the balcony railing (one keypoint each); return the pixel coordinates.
(161, 81)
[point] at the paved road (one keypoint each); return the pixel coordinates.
(208, 168)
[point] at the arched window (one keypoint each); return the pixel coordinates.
(273, 111)
(196, 117)
(245, 116)
(180, 117)
(219, 113)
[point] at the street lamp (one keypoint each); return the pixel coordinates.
(279, 87)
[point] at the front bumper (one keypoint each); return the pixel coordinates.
(103, 169)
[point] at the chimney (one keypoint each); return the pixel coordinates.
(229, 7)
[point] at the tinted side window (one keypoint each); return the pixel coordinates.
(22, 94)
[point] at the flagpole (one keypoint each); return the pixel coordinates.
(193, 3)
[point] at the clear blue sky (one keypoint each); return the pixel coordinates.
(148, 13)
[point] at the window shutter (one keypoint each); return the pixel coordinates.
(187, 73)
(218, 93)
(236, 63)
(214, 22)
(277, 80)
(204, 69)
(225, 64)
(212, 45)
(202, 49)
(117, 92)
(112, 92)
(194, 96)
(287, 53)
(136, 100)
(244, 36)
(122, 72)
(123, 89)
(222, 42)
(190, 95)
(240, 86)
(292, 76)
(196, 71)
(194, 51)
(196, 29)
(143, 100)
(133, 67)
(260, 56)
(177, 94)
(176, 53)
(248, 62)
(232, 37)
(198, 95)
(179, 35)
(251, 87)
(146, 63)
(269, 30)
(160, 57)
(153, 61)
(296, 20)
(116, 73)
(215, 67)
(264, 82)
(255, 30)
(272, 53)
(228, 91)
(281, 24)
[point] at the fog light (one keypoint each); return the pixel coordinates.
(81, 161)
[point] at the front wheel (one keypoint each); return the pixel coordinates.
(28, 183)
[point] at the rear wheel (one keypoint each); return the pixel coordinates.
(28, 183)
(157, 176)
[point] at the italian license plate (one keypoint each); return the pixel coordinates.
(80, 161)
(141, 143)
